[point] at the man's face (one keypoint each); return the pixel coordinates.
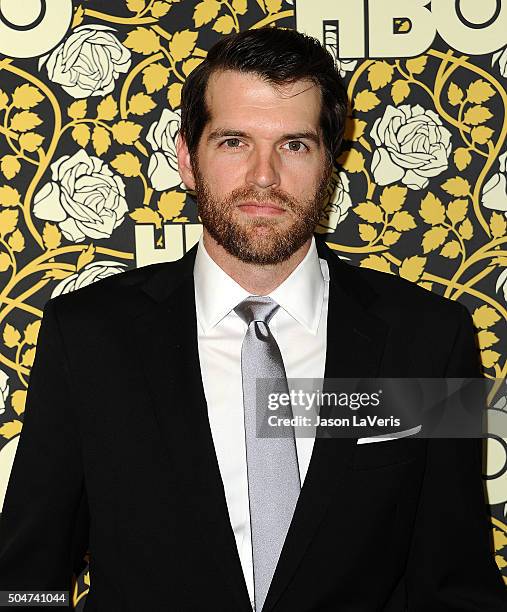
(260, 172)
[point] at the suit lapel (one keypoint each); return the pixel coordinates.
(166, 335)
(355, 344)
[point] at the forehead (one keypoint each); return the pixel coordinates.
(236, 97)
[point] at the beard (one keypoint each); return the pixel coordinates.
(259, 240)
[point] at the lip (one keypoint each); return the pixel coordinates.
(260, 208)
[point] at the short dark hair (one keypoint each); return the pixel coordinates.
(279, 56)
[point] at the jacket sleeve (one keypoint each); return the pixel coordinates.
(451, 567)
(44, 521)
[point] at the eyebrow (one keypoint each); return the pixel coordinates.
(304, 135)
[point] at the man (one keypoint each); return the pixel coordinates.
(138, 443)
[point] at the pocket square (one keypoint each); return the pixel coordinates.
(391, 436)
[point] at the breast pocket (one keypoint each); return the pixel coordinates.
(382, 454)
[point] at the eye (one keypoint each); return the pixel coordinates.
(236, 142)
(296, 146)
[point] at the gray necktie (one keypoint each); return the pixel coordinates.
(272, 467)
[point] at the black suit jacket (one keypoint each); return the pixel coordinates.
(116, 456)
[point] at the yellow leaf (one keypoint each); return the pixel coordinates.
(366, 100)
(155, 76)
(457, 186)
(16, 241)
(479, 91)
(78, 17)
(454, 95)
(8, 221)
(240, 6)
(376, 262)
(26, 96)
(451, 250)
(189, 64)
(205, 12)
(4, 100)
(486, 338)
(499, 539)
(393, 198)
(417, 64)
(352, 161)
(51, 236)
(9, 196)
(101, 140)
(25, 121)
(457, 210)
(57, 274)
(28, 357)
(11, 336)
(224, 24)
(498, 225)
(143, 40)
(389, 238)
(18, 401)
(403, 221)
(10, 166)
(81, 134)
(174, 94)
(485, 317)
(85, 257)
(32, 332)
(273, 6)
(140, 104)
(77, 110)
(10, 429)
(462, 158)
(412, 268)
(433, 238)
(489, 358)
(126, 132)
(380, 74)
(160, 9)
(369, 212)
(127, 164)
(182, 44)
(399, 91)
(501, 562)
(476, 115)
(432, 210)
(367, 232)
(171, 204)
(146, 215)
(136, 6)
(481, 134)
(107, 109)
(30, 141)
(354, 129)
(5, 262)
(466, 229)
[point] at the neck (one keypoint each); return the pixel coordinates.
(254, 278)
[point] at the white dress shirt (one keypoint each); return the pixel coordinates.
(299, 327)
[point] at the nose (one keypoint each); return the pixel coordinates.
(263, 169)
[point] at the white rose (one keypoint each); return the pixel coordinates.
(501, 283)
(92, 272)
(345, 65)
(163, 166)
(494, 192)
(336, 210)
(501, 57)
(4, 390)
(85, 198)
(412, 146)
(88, 62)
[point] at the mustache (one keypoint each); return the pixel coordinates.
(275, 196)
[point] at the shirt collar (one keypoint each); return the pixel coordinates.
(301, 294)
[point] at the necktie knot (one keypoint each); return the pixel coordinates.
(257, 308)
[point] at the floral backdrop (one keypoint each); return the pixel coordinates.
(87, 155)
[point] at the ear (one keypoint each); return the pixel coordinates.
(184, 165)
